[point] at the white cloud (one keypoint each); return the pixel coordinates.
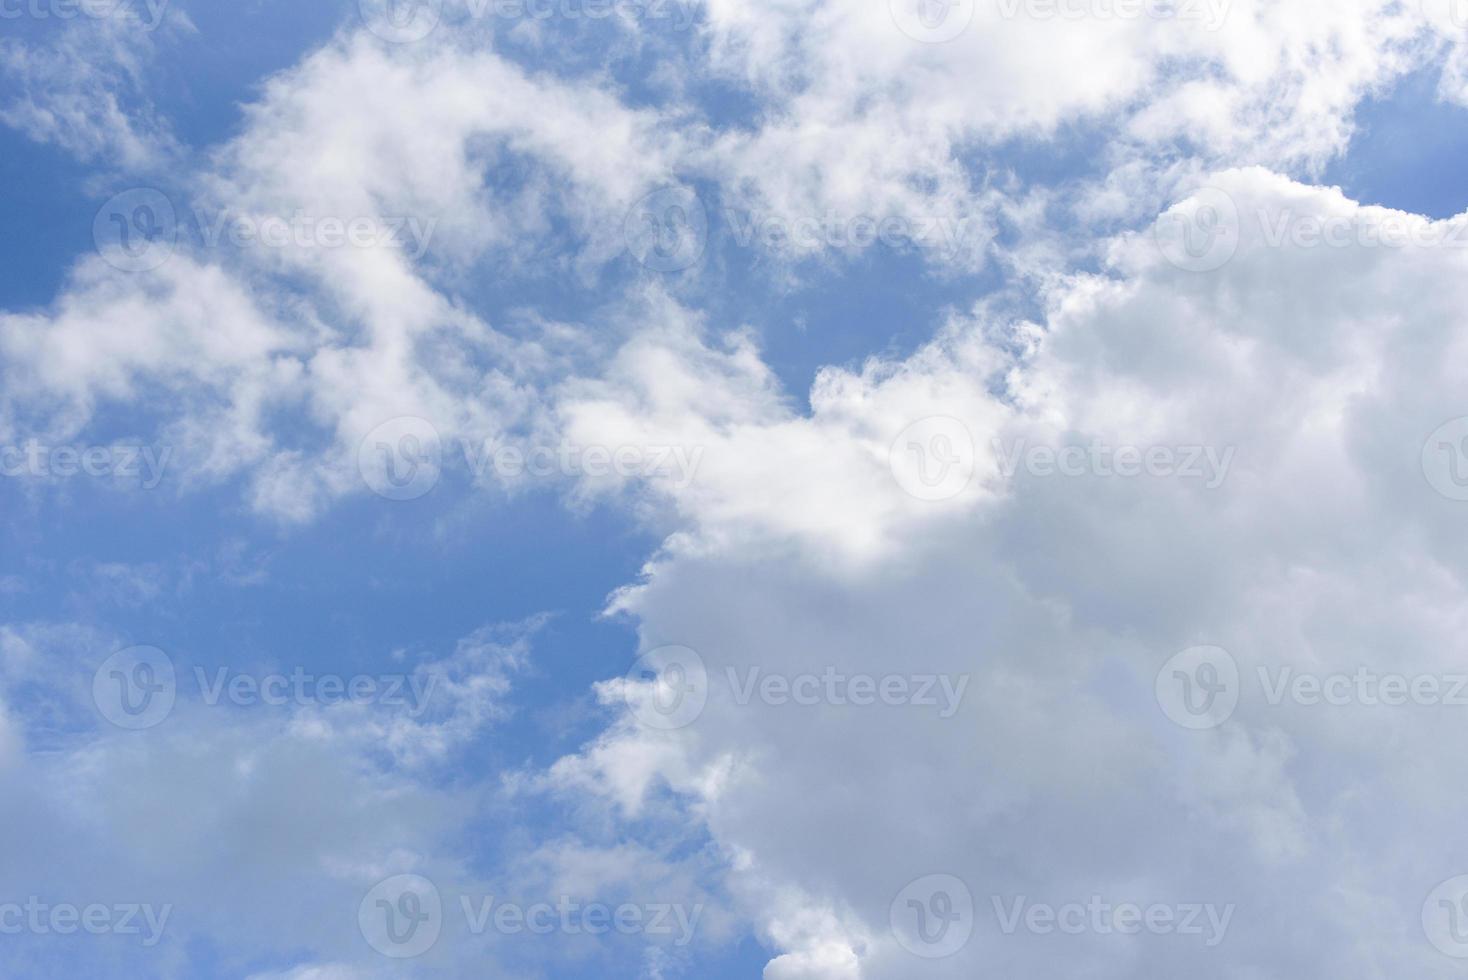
(1322, 367)
(86, 91)
(238, 331)
(862, 119)
(302, 808)
(1325, 550)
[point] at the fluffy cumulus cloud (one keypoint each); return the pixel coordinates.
(1304, 380)
(1108, 630)
(295, 273)
(865, 119)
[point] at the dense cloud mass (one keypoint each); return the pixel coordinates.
(1098, 619)
(1307, 542)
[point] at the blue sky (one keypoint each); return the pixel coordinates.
(895, 459)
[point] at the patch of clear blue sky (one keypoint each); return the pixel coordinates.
(1408, 151)
(48, 220)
